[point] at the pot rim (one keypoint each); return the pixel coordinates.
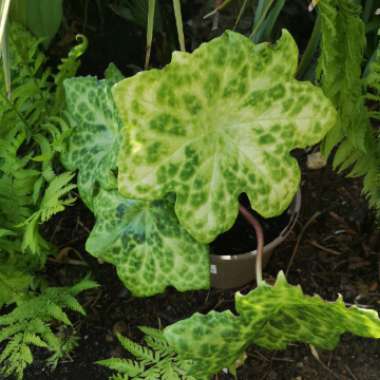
(294, 210)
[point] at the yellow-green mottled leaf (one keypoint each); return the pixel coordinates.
(148, 246)
(271, 317)
(215, 123)
(292, 316)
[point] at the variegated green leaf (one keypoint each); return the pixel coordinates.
(93, 146)
(271, 317)
(294, 317)
(210, 342)
(216, 123)
(147, 245)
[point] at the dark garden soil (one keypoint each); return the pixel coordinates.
(333, 249)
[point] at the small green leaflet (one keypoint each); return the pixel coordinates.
(216, 123)
(147, 245)
(113, 74)
(94, 144)
(271, 317)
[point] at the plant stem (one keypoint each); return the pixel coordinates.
(260, 241)
(241, 12)
(217, 9)
(261, 20)
(179, 23)
(149, 31)
(310, 48)
(4, 17)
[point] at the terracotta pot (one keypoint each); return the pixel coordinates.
(234, 271)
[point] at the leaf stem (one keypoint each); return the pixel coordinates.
(311, 47)
(260, 241)
(261, 20)
(149, 32)
(179, 23)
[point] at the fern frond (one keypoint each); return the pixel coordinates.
(68, 69)
(339, 68)
(13, 283)
(29, 324)
(85, 284)
(124, 366)
(340, 74)
(140, 352)
(159, 363)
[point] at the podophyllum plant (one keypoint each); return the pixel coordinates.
(162, 158)
(163, 169)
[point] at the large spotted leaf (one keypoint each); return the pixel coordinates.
(271, 317)
(216, 123)
(148, 246)
(93, 146)
(209, 342)
(294, 317)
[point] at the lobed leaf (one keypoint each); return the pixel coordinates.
(92, 147)
(147, 245)
(216, 123)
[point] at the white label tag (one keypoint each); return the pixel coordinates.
(213, 269)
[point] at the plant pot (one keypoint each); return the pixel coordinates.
(236, 270)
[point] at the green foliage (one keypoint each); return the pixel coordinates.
(216, 123)
(340, 73)
(30, 324)
(271, 317)
(157, 361)
(42, 17)
(372, 82)
(32, 131)
(14, 282)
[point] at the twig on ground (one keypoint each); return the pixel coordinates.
(348, 369)
(300, 236)
(323, 248)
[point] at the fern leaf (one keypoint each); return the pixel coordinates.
(11, 347)
(124, 366)
(84, 284)
(72, 303)
(35, 340)
(140, 352)
(55, 312)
